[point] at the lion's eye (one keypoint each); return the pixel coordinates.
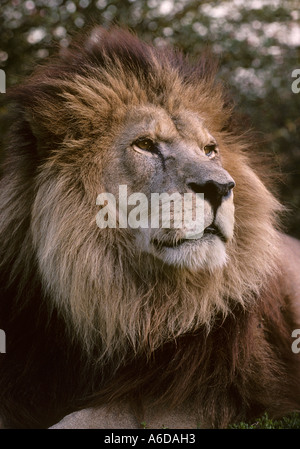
(146, 144)
(210, 149)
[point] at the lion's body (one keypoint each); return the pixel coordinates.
(95, 317)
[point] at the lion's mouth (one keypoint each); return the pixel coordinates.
(178, 242)
(214, 230)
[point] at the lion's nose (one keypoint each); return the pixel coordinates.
(213, 191)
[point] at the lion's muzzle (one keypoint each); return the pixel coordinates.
(214, 191)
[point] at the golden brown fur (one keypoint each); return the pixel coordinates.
(135, 325)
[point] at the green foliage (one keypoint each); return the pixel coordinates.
(288, 422)
(257, 43)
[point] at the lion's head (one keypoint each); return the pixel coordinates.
(116, 112)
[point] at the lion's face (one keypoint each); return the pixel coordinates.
(156, 154)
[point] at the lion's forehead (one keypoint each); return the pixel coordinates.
(164, 125)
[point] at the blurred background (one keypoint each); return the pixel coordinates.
(256, 41)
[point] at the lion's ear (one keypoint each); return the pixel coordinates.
(41, 107)
(44, 137)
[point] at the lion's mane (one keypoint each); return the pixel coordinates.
(86, 321)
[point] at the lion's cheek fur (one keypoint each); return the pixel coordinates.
(225, 217)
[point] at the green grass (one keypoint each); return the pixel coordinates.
(291, 421)
(288, 422)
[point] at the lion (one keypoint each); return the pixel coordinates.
(133, 324)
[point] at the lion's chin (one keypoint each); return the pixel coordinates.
(207, 253)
